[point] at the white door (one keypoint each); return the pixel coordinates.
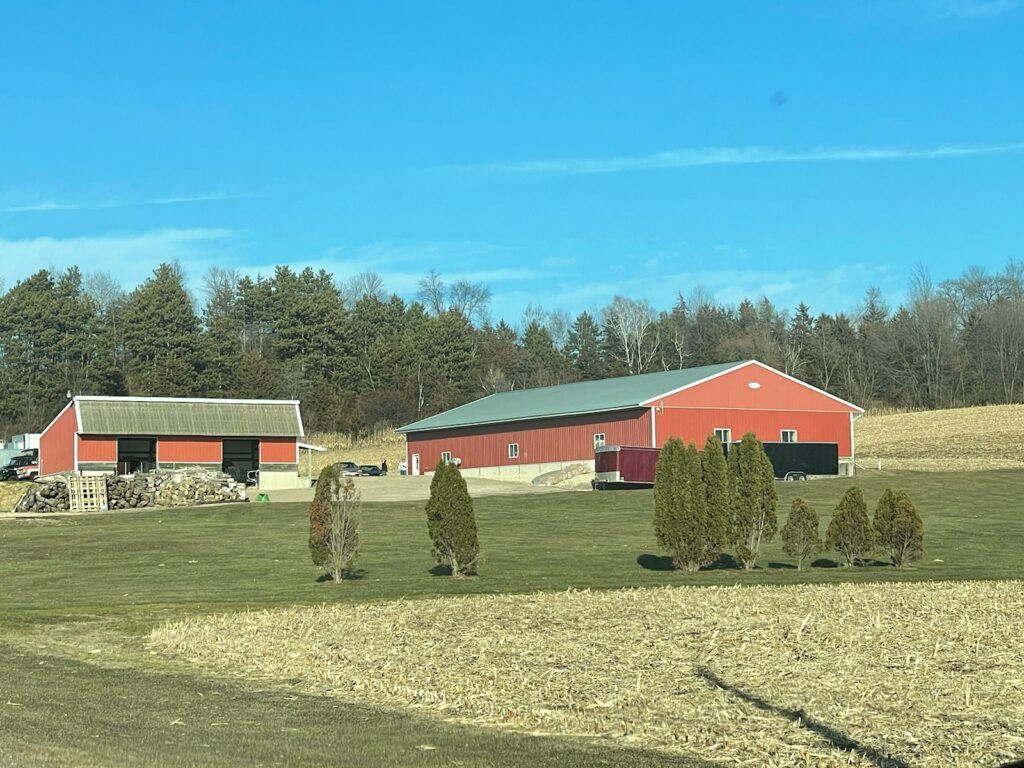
(415, 464)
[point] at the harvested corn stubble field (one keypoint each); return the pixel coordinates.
(957, 439)
(829, 675)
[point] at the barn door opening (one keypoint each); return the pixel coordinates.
(241, 459)
(135, 454)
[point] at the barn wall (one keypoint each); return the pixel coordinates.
(57, 444)
(695, 424)
(774, 392)
(93, 448)
(540, 441)
(279, 450)
(188, 450)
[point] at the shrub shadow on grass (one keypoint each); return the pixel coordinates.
(824, 562)
(325, 578)
(655, 562)
(783, 566)
(725, 562)
(441, 570)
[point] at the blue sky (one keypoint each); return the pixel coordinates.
(561, 152)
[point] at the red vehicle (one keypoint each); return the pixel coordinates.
(24, 466)
(624, 466)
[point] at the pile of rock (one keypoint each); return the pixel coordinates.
(45, 497)
(185, 487)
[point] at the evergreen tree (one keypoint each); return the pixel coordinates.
(849, 532)
(715, 472)
(800, 537)
(161, 336)
(450, 521)
(681, 521)
(898, 530)
(584, 347)
(753, 499)
(320, 515)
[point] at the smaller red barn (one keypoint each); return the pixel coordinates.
(531, 431)
(95, 435)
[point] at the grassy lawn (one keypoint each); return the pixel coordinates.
(132, 570)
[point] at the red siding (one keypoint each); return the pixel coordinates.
(542, 440)
(57, 444)
(695, 424)
(775, 392)
(99, 449)
(181, 450)
(278, 450)
(777, 403)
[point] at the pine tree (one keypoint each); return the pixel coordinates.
(161, 336)
(800, 537)
(898, 530)
(450, 521)
(584, 347)
(669, 493)
(753, 499)
(320, 514)
(681, 521)
(715, 472)
(849, 532)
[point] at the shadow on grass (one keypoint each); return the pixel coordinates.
(441, 570)
(824, 562)
(356, 575)
(725, 562)
(833, 736)
(782, 566)
(655, 562)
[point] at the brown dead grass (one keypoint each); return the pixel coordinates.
(930, 673)
(958, 439)
(368, 450)
(10, 492)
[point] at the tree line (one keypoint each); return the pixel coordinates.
(360, 359)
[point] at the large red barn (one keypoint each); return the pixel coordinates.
(538, 430)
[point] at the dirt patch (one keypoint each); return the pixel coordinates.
(823, 675)
(10, 492)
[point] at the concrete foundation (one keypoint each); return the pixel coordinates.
(521, 472)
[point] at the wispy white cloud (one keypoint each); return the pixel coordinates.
(711, 156)
(63, 205)
(128, 256)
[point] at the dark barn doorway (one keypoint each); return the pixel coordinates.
(135, 454)
(241, 459)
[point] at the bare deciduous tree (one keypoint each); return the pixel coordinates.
(632, 332)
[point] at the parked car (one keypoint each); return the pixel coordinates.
(24, 466)
(347, 469)
(371, 470)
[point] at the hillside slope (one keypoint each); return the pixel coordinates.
(984, 437)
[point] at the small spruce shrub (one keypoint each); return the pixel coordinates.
(450, 521)
(898, 529)
(800, 537)
(849, 532)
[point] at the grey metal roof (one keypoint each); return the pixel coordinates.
(567, 399)
(188, 416)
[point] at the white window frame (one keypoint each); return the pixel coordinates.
(446, 457)
(599, 440)
(724, 434)
(513, 450)
(782, 435)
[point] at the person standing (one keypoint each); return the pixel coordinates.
(384, 466)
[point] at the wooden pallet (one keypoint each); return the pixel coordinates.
(87, 494)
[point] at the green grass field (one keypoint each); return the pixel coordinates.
(68, 581)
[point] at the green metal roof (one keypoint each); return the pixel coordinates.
(567, 399)
(186, 416)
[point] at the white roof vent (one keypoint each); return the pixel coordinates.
(754, 385)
